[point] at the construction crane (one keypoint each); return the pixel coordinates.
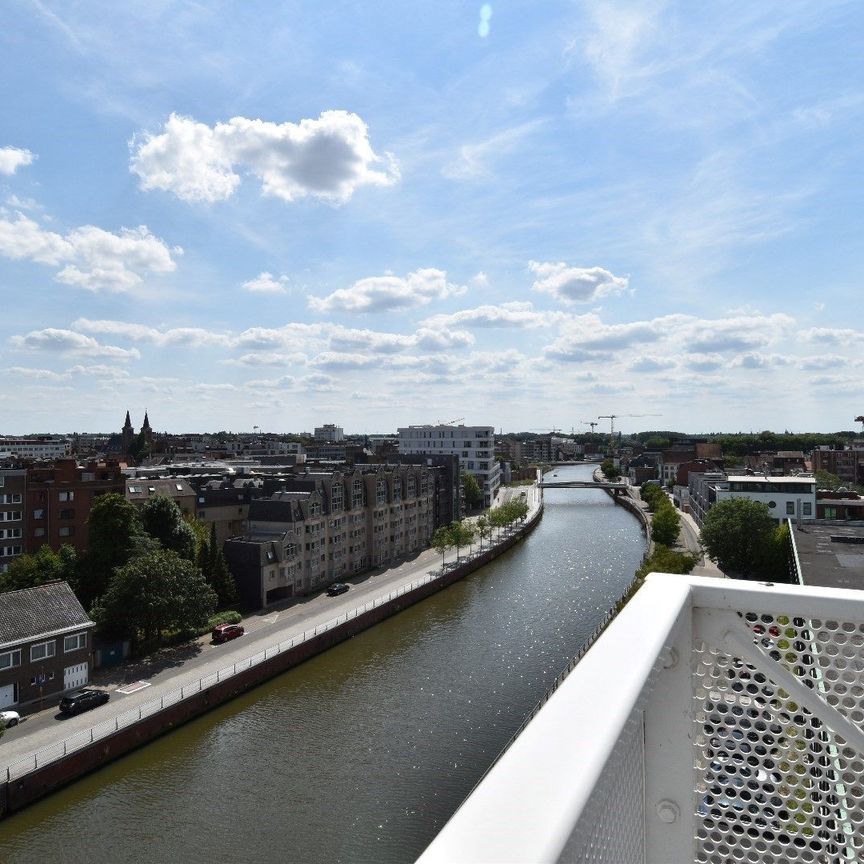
(591, 423)
(860, 419)
(450, 422)
(611, 418)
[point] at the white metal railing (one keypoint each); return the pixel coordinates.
(713, 721)
(23, 765)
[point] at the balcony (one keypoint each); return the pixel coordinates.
(713, 721)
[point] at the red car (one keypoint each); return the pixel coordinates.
(224, 632)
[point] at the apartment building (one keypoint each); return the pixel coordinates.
(34, 448)
(13, 487)
(326, 526)
(59, 497)
(847, 464)
(329, 432)
(474, 445)
(786, 497)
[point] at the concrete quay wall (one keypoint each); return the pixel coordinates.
(28, 788)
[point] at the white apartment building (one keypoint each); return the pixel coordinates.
(329, 432)
(474, 445)
(35, 448)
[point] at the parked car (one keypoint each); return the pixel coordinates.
(9, 719)
(224, 632)
(82, 700)
(337, 588)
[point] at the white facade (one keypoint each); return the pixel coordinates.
(35, 448)
(474, 445)
(786, 497)
(329, 432)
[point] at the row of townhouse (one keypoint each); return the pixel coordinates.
(326, 526)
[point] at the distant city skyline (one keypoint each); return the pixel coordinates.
(279, 215)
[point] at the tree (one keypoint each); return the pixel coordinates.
(163, 520)
(460, 535)
(442, 540)
(212, 563)
(498, 518)
(484, 530)
(607, 467)
(115, 536)
(666, 560)
(737, 534)
(827, 480)
(473, 492)
(42, 566)
(666, 524)
(154, 593)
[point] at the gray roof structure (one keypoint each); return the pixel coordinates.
(831, 555)
(31, 613)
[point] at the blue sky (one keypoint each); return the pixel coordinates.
(266, 214)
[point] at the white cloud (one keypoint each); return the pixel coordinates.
(94, 259)
(382, 293)
(265, 283)
(516, 314)
(70, 343)
(13, 158)
(192, 336)
(576, 284)
(327, 158)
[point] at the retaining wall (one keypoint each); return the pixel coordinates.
(24, 790)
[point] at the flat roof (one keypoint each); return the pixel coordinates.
(761, 478)
(831, 563)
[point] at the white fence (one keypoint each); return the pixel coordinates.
(713, 721)
(45, 755)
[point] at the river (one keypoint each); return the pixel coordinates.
(363, 753)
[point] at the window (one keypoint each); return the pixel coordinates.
(772, 504)
(42, 651)
(38, 514)
(10, 659)
(381, 492)
(830, 512)
(65, 496)
(67, 514)
(808, 508)
(336, 497)
(39, 532)
(790, 508)
(66, 531)
(75, 642)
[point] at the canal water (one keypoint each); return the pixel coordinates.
(363, 753)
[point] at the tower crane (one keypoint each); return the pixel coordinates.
(860, 419)
(591, 423)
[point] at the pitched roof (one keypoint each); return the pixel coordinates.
(32, 612)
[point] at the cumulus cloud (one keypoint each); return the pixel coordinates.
(68, 342)
(576, 284)
(326, 158)
(193, 336)
(383, 293)
(13, 158)
(89, 257)
(265, 283)
(516, 314)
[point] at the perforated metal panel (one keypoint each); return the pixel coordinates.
(611, 829)
(773, 783)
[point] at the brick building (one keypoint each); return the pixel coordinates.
(13, 487)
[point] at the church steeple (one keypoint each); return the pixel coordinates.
(127, 434)
(128, 423)
(146, 423)
(146, 431)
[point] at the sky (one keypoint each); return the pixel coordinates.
(526, 215)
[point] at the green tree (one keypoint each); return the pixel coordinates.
(44, 565)
(498, 519)
(666, 524)
(163, 520)
(827, 480)
(115, 536)
(484, 530)
(442, 540)
(460, 535)
(607, 467)
(666, 560)
(215, 569)
(157, 592)
(738, 534)
(473, 492)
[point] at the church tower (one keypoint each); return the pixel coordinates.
(127, 434)
(146, 431)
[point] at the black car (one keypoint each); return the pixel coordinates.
(337, 588)
(82, 700)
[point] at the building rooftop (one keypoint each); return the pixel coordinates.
(32, 612)
(831, 556)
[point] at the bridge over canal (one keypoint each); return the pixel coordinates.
(616, 488)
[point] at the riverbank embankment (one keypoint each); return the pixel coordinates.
(35, 776)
